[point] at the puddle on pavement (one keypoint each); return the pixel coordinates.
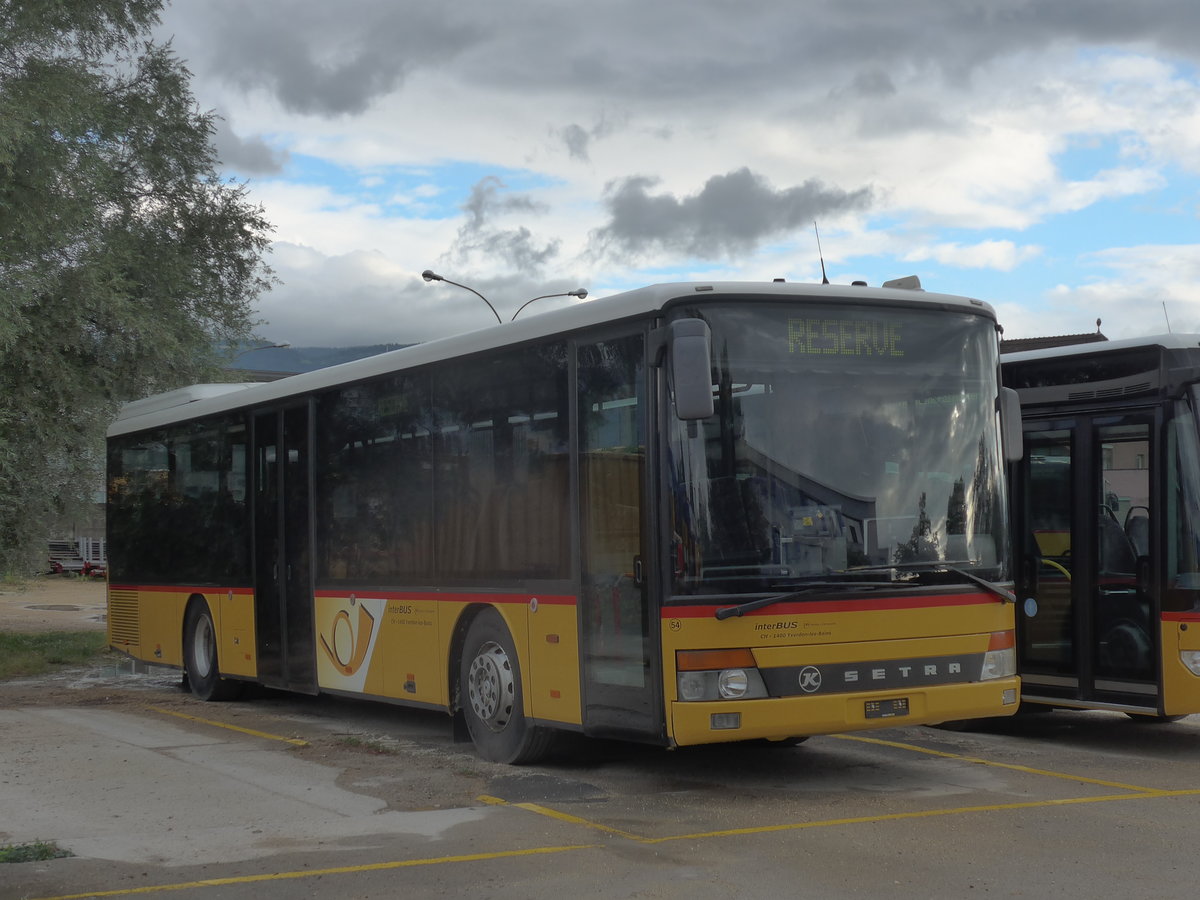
(131, 667)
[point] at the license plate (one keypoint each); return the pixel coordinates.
(887, 709)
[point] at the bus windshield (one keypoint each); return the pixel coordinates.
(845, 437)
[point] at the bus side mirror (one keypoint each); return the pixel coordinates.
(1011, 434)
(691, 369)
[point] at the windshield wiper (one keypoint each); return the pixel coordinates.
(938, 565)
(728, 612)
(1005, 595)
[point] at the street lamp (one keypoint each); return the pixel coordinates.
(581, 293)
(430, 275)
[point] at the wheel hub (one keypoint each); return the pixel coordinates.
(203, 647)
(490, 687)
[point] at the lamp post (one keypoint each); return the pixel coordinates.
(430, 275)
(581, 293)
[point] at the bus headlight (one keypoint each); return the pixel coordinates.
(692, 686)
(718, 675)
(1000, 661)
(732, 684)
(1191, 659)
(723, 684)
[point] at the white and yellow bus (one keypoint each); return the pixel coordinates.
(1107, 504)
(684, 514)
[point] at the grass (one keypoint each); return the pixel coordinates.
(39, 653)
(35, 851)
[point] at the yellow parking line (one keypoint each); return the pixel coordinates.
(996, 765)
(540, 810)
(561, 816)
(1147, 794)
(575, 820)
(922, 814)
(1136, 793)
(295, 742)
(311, 873)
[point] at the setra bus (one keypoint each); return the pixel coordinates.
(684, 514)
(1107, 510)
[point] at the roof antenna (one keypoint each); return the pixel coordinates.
(820, 255)
(1165, 316)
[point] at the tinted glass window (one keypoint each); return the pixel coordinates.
(375, 481)
(502, 466)
(177, 510)
(457, 474)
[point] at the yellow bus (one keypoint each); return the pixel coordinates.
(684, 514)
(1107, 508)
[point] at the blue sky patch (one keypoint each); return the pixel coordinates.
(413, 192)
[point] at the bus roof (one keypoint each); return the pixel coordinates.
(1165, 341)
(200, 400)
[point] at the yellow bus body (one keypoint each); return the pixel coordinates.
(1180, 686)
(872, 637)
(400, 646)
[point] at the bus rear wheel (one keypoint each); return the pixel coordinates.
(200, 656)
(491, 697)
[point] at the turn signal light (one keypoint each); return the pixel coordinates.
(700, 660)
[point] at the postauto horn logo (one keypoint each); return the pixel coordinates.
(346, 645)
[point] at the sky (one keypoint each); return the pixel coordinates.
(1041, 155)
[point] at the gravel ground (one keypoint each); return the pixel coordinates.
(53, 603)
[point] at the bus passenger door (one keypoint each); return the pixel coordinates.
(1087, 631)
(283, 598)
(621, 677)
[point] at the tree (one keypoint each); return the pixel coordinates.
(923, 545)
(126, 262)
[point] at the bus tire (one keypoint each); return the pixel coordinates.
(782, 743)
(957, 724)
(491, 697)
(1152, 719)
(200, 656)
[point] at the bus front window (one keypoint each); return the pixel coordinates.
(1183, 507)
(843, 437)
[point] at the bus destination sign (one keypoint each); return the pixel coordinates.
(844, 337)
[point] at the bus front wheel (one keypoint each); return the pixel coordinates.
(200, 656)
(491, 697)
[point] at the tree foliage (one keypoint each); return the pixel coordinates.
(125, 260)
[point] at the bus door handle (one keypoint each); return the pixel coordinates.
(637, 571)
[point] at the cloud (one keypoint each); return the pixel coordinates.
(516, 247)
(989, 254)
(1152, 289)
(336, 59)
(247, 156)
(360, 298)
(929, 133)
(731, 214)
(324, 59)
(577, 140)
